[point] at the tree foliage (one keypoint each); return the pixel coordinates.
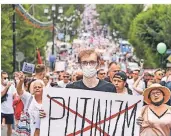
(28, 38)
(148, 29)
(143, 29)
(6, 37)
(119, 17)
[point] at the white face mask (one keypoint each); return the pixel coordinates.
(89, 71)
(5, 81)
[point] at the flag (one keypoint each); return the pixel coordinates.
(39, 59)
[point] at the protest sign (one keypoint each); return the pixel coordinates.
(28, 67)
(60, 66)
(72, 112)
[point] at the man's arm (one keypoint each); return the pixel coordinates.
(5, 89)
(135, 85)
(19, 86)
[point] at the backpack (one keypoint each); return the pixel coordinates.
(23, 127)
(4, 98)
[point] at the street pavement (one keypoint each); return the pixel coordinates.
(4, 131)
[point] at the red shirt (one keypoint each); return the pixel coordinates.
(18, 107)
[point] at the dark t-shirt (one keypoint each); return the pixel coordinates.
(102, 86)
(107, 79)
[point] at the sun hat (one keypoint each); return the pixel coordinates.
(164, 89)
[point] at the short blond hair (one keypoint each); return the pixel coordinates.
(40, 68)
(39, 81)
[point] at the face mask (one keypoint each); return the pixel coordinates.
(89, 71)
(157, 103)
(5, 81)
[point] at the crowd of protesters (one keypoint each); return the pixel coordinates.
(26, 92)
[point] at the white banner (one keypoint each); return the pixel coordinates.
(72, 112)
(28, 67)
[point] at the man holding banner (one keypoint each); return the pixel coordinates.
(78, 111)
(89, 61)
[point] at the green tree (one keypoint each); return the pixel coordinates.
(6, 37)
(119, 17)
(147, 30)
(28, 38)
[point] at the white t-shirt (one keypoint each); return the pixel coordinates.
(6, 106)
(33, 111)
(141, 86)
(62, 84)
(164, 79)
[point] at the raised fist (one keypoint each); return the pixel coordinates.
(21, 76)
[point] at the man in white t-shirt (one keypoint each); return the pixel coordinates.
(7, 112)
(65, 80)
(131, 82)
(168, 73)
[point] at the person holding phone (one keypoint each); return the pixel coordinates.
(136, 84)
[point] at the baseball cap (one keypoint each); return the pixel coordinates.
(121, 75)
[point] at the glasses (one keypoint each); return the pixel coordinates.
(153, 93)
(59, 72)
(160, 74)
(5, 78)
(91, 63)
(66, 76)
(135, 73)
(102, 73)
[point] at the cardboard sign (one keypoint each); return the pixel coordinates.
(72, 112)
(28, 67)
(60, 66)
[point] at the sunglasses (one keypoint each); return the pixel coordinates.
(102, 73)
(66, 76)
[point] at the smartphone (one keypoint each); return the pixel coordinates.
(141, 61)
(141, 72)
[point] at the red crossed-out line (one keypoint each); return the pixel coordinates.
(94, 124)
(102, 121)
(79, 115)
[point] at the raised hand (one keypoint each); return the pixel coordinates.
(21, 76)
(42, 113)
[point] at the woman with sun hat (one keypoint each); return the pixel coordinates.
(155, 118)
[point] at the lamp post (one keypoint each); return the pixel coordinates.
(53, 9)
(67, 21)
(14, 39)
(116, 36)
(161, 48)
(53, 16)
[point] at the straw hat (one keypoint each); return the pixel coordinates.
(164, 89)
